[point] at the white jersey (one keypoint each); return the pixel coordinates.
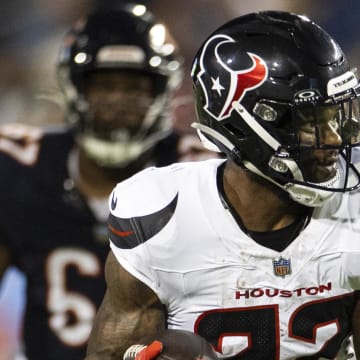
(170, 229)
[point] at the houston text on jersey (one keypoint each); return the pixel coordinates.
(268, 292)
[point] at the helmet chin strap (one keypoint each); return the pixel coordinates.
(302, 194)
(118, 154)
(308, 196)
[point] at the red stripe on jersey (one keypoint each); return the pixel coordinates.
(120, 233)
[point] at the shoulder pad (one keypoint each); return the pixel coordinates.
(21, 142)
(141, 207)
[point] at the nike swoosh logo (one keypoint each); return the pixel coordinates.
(127, 233)
(113, 202)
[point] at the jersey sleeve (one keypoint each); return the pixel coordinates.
(140, 210)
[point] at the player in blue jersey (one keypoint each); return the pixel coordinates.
(258, 253)
(118, 70)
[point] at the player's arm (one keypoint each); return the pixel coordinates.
(130, 310)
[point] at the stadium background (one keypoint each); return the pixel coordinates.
(30, 34)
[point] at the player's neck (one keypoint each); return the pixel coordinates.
(260, 207)
(94, 180)
(89, 178)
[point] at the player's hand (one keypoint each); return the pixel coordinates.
(143, 352)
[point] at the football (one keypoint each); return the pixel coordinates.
(182, 345)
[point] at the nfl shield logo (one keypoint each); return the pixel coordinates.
(282, 267)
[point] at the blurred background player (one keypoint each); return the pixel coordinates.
(118, 69)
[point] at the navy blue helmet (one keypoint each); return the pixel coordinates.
(122, 38)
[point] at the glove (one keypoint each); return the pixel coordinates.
(143, 352)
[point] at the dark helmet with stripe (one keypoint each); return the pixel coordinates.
(263, 83)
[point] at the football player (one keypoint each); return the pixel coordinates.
(258, 253)
(118, 69)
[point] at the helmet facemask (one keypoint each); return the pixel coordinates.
(312, 160)
(119, 125)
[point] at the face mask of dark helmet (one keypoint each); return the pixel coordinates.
(275, 93)
(126, 38)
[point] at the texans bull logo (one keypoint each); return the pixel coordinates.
(222, 84)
